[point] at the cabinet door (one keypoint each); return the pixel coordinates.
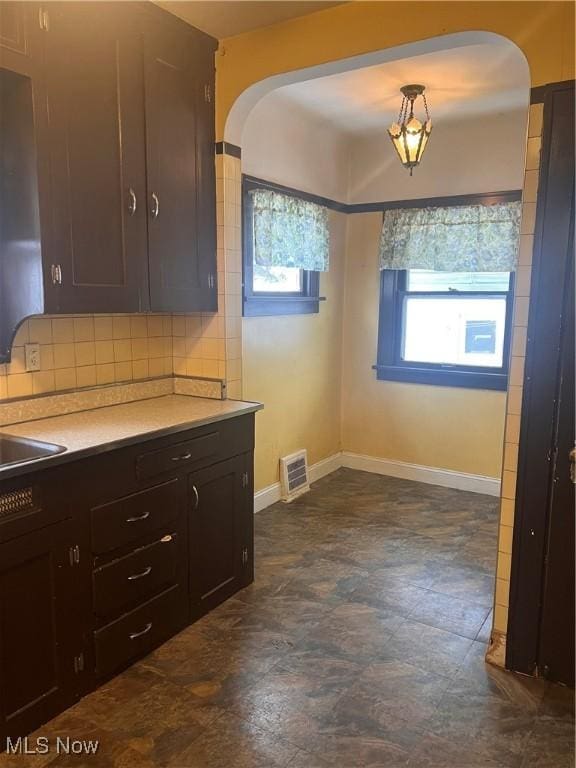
(94, 71)
(40, 627)
(177, 278)
(219, 533)
(20, 22)
(25, 215)
(206, 176)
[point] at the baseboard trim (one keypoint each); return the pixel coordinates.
(266, 497)
(325, 467)
(421, 474)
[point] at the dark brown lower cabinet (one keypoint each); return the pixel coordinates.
(219, 547)
(109, 556)
(41, 627)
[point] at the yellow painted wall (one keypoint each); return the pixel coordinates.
(544, 31)
(292, 365)
(447, 427)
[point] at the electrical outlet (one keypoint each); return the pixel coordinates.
(32, 355)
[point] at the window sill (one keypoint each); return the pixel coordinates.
(286, 305)
(442, 377)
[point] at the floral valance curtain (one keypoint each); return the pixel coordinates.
(289, 232)
(464, 238)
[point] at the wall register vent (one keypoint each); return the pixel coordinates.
(294, 475)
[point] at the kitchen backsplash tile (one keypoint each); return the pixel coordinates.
(88, 350)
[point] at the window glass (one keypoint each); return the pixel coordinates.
(454, 330)
(424, 280)
(277, 279)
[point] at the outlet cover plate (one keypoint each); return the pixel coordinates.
(32, 356)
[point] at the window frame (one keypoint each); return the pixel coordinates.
(259, 304)
(391, 367)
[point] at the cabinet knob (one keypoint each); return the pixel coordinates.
(155, 206)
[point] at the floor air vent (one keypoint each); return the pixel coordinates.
(294, 475)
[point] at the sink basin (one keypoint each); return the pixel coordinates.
(14, 450)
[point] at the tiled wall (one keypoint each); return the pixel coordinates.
(83, 351)
(514, 402)
(88, 350)
(229, 217)
(214, 348)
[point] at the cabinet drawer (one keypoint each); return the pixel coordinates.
(138, 632)
(130, 580)
(126, 520)
(179, 455)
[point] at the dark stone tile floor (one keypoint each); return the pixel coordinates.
(360, 645)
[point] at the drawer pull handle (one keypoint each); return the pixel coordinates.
(183, 457)
(196, 498)
(132, 205)
(155, 206)
(137, 519)
(146, 572)
(147, 628)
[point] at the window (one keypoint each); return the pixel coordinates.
(447, 328)
(284, 233)
(442, 327)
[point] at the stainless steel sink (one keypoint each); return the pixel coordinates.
(15, 450)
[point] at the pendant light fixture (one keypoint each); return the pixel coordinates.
(409, 135)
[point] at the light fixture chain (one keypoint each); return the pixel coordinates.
(400, 114)
(426, 106)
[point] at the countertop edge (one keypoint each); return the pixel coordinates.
(49, 462)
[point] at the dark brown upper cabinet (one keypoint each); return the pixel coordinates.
(107, 166)
(15, 30)
(23, 168)
(178, 86)
(97, 145)
(205, 174)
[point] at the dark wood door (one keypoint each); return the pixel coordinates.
(218, 531)
(41, 627)
(557, 638)
(541, 620)
(178, 280)
(97, 155)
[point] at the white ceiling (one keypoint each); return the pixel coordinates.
(224, 18)
(460, 83)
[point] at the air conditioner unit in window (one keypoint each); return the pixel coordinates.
(294, 475)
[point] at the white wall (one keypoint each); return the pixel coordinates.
(471, 156)
(288, 145)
